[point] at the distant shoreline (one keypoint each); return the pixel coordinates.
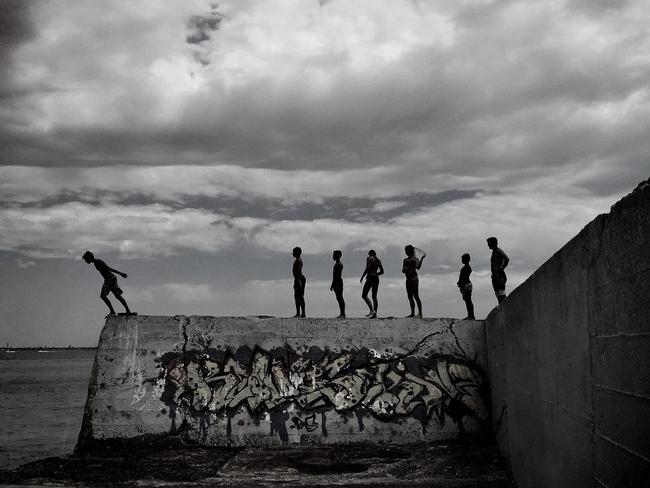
(45, 348)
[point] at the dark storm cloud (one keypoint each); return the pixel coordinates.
(357, 209)
(15, 26)
(181, 184)
(597, 7)
(201, 27)
(501, 87)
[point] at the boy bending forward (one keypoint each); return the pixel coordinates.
(110, 282)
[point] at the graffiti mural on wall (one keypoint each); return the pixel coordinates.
(218, 383)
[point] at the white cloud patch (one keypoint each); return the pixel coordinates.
(25, 264)
(531, 226)
(132, 231)
(385, 206)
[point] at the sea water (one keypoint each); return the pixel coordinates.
(42, 397)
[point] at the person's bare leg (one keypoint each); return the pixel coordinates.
(470, 308)
(369, 303)
(296, 299)
(123, 302)
(409, 294)
(341, 301)
(364, 295)
(108, 304)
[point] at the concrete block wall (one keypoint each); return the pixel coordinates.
(569, 359)
(266, 381)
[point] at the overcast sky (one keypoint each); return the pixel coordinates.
(194, 144)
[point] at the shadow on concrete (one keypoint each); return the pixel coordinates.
(170, 462)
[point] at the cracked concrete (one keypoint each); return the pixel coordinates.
(264, 381)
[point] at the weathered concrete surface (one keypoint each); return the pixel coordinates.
(569, 358)
(173, 463)
(232, 381)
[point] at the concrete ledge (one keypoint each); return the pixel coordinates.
(248, 381)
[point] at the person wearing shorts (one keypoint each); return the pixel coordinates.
(498, 262)
(373, 271)
(465, 285)
(337, 282)
(410, 268)
(299, 282)
(110, 284)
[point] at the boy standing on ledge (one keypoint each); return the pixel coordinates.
(337, 282)
(498, 262)
(299, 282)
(465, 285)
(372, 272)
(410, 268)
(110, 283)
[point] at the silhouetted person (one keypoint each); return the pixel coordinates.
(465, 285)
(337, 282)
(373, 270)
(410, 269)
(498, 262)
(299, 282)
(110, 282)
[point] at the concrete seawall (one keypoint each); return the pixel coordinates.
(232, 381)
(570, 359)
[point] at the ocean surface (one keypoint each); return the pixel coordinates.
(42, 397)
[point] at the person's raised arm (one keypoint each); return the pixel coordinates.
(381, 268)
(419, 265)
